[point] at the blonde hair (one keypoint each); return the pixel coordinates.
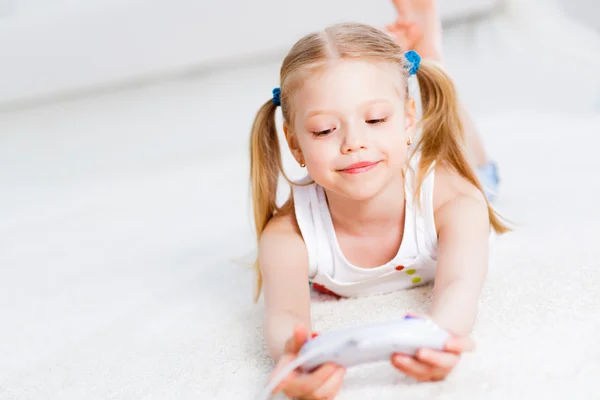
(442, 138)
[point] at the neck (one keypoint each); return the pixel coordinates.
(377, 215)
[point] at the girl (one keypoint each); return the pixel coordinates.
(374, 214)
(418, 27)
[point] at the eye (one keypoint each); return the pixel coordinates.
(376, 121)
(323, 133)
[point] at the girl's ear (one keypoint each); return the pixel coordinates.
(292, 142)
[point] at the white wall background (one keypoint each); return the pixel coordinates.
(55, 48)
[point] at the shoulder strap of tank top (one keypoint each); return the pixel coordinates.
(304, 197)
(426, 234)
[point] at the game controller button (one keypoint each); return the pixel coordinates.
(399, 267)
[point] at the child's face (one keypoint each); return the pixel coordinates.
(352, 112)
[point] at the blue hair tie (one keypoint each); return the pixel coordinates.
(277, 96)
(414, 61)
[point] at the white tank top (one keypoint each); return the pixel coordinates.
(413, 265)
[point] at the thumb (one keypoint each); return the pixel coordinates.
(459, 344)
(299, 337)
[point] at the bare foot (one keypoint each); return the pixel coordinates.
(406, 33)
(418, 27)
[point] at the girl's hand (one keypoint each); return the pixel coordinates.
(433, 365)
(323, 384)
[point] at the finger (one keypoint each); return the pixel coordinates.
(332, 385)
(299, 336)
(439, 359)
(285, 382)
(283, 361)
(459, 344)
(412, 367)
(306, 384)
(290, 345)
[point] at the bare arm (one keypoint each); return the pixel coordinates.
(463, 227)
(462, 262)
(283, 261)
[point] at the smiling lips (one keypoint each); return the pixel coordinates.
(360, 167)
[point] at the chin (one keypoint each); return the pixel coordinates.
(363, 188)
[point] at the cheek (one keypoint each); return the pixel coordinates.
(393, 144)
(318, 155)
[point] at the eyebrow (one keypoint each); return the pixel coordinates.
(366, 103)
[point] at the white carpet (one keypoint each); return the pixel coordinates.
(125, 225)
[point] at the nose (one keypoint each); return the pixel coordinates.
(354, 140)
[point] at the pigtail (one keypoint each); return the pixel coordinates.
(442, 139)
(265, 167)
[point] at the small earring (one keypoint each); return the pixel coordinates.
(409, 141)
(302, 165)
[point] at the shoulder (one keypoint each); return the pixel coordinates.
(281, 243)
(456, 200)
(281, 226)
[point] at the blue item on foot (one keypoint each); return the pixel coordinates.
(488, 176)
